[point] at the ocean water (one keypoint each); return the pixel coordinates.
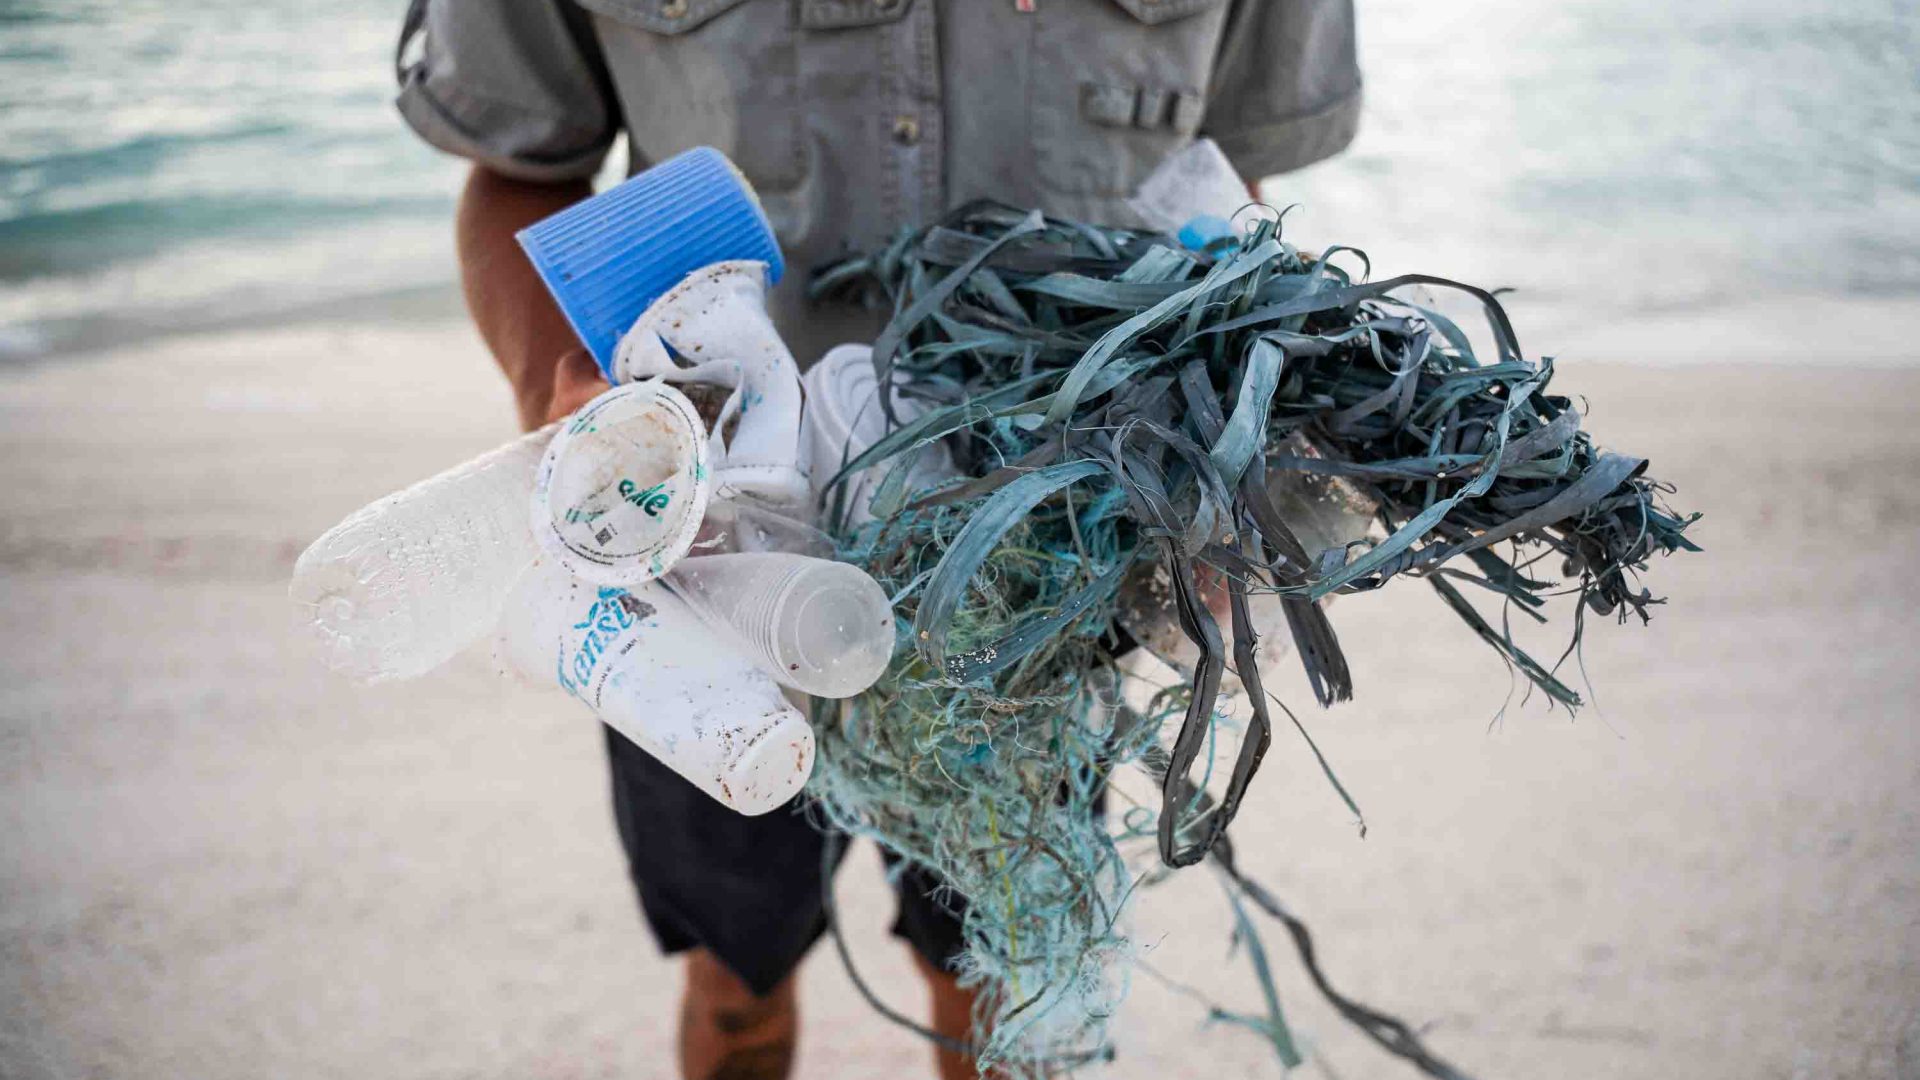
(1730, 171)
(168, 165)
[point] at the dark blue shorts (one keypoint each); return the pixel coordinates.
(748, 889)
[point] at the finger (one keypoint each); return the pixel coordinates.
(576, 381)
(1215, 593)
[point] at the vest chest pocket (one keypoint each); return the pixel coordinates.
(1117, 85)
(720, 73)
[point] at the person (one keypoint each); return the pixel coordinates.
(852, 119)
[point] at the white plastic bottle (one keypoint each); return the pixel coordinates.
(404, 583)
(653, 671)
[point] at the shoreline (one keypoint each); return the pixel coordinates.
(78, 338)
(1869, 328)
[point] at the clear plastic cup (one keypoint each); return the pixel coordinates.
(823, 628)
(737, 525)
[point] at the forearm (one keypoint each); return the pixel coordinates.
(518, 320)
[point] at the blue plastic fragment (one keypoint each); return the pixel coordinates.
(606, 258)
(1203, 230)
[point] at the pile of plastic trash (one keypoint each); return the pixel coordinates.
(654, 554)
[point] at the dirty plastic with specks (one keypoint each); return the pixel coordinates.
(823, 628)
(404, 583)
(1147, 612)
(711, 335)
(1323, 512)
(651, 669)
(620, 495)
(605, 259)
(844, 416)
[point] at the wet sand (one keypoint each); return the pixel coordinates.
(219, 862)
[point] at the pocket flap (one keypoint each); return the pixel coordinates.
(1159, 11)
(840, 14)
(660, 16)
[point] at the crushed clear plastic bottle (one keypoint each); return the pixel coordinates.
(823, 628)
(403, 584)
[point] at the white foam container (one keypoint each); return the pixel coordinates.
(620, 494)
(651, 670)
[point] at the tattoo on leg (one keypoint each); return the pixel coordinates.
(734, 1021)
(766, 1062)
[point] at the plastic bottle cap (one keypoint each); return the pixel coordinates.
(1203, 230)
(605, 259)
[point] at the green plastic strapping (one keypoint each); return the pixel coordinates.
(1113, 399)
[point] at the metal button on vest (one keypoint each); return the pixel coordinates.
(673, 9)
(906, 130)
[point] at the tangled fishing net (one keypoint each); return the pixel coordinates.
(1131, 419)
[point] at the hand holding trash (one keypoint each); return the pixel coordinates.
(571, 538)
(576, 381)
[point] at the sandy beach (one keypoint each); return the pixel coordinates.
(218, 861)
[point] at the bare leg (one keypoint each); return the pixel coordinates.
(952, 1017)
(728, 1033)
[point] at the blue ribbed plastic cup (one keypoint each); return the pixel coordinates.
(607, 258)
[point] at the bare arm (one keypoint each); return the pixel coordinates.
(550, 372)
